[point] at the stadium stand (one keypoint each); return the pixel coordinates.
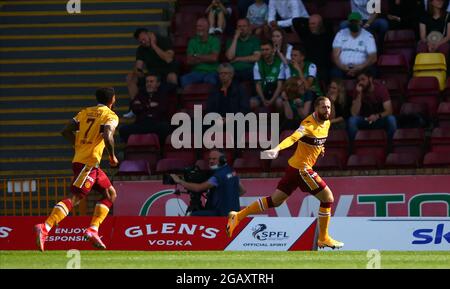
(51, 63)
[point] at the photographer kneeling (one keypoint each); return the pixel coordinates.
(224, 187)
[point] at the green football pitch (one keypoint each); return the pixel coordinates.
(223, 260)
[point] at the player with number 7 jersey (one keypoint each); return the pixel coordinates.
(90, 131)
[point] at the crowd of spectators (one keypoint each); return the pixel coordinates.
(274, 56)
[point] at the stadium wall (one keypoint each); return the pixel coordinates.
(382, 196)
(253, 234)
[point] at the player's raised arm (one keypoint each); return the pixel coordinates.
(108, 137)
(69, 131)
(287, 142)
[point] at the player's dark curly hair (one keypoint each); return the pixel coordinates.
(138, 32)
(104, 95)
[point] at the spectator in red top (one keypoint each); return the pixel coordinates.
(371, 107)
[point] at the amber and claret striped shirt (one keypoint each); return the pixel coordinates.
(89, 143)
(311, 137)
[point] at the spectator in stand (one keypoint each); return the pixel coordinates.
(217, 12)
(403, 14)
(290, 15)
(371, 107)
(317, 41)
(268, 74)
(306, 70)
(203, 55)
(354, 49)
(243, 5)
(151, 110)
(295, 103)
(243, 51)
(435, 22)
(257, 15)
(228, 96)
(155, 55)
(340, 107)
(282, 48)
(370, 21)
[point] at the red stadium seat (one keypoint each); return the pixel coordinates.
(134, 167)
(335, 11)
(446, 92)
(393, 65)
(436, 159)
(409, 141)
(337, 138)
(281, 162)
(423, 86)
(247, 165)
(394, 87)
(150, 157)
(196, 93)
(328, 162)
(408, 53)
(440, 140)
(143, 147)
(172, 165)
(409, 136)
(400, 39)
(431, 103)
(148, 141)
(364, 162)
(444, 114)
(185, 154)
(202, 164)
(401, 161)
(337, 144)
(371, 137)
(409, 108)
(372, 142)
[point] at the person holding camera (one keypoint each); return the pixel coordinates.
(224, 187)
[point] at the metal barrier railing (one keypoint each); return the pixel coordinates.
(35, 196)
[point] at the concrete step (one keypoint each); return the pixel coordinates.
(126, 39)
(56, 101)
(21, 6)
(6, 81)
(49, 113)
(82, 30)
(126, 52)
(39, 17)
(51, 89)
(65, 64)
(76, 92)
(67, 153)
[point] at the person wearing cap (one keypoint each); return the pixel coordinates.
(370, 21)
(354, 49)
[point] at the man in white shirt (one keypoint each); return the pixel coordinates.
(287, 14)
(371, 21)
(354, 49)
